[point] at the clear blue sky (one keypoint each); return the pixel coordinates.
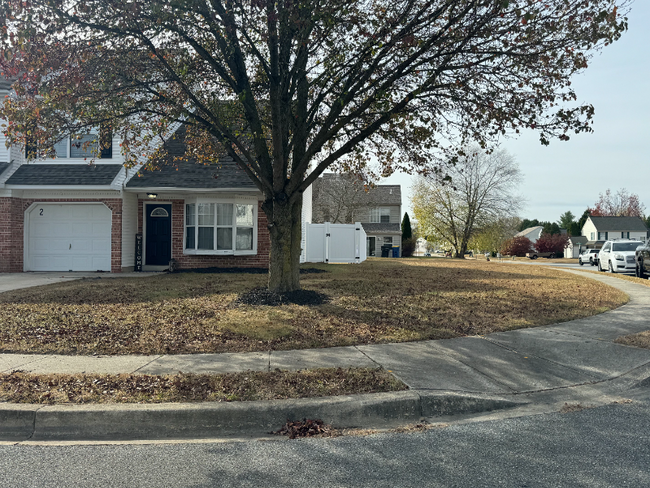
(570, 175)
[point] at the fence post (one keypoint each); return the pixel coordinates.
(327, 242)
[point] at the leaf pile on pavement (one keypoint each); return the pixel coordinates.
(304, 428)
(378, 301)
(19, 387)
(642, 339)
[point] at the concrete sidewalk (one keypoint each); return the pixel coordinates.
(17, 281)
(494, 371)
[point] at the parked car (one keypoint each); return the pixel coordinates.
(535, 255)
(618, 256)
(589, 256)
(642, 256)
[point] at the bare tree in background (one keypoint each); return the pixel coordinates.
(340, 198)
(480, 193)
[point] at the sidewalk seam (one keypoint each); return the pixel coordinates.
(147, 364)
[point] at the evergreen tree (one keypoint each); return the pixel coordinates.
(407, 233)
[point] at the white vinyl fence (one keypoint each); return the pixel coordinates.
(333, 243)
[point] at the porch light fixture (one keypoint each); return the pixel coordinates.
(152, 196)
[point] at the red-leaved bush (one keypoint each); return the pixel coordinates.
(517, 246)
(552, 243)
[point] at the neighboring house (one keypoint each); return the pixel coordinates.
(597, 230)
(65, 214)
(575, 245)
(337, 199)
(532, 233)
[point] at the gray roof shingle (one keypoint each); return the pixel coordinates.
(578, 239)
(619, 224)
(189, 174)
(382, 228)
(65, 174)
(3, 167)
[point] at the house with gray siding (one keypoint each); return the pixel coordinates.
(345, 200)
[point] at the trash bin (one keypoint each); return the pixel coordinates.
(385, 251)
(395, 251)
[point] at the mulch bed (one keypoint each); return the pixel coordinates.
(264, 296)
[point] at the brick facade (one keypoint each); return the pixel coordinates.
(12, 222)
(189, 261)
(11, 235)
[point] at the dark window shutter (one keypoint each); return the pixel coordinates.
(106, 142)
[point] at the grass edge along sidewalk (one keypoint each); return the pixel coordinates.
(378, 301)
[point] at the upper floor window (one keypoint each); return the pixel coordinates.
(79, 146)
(380, 215)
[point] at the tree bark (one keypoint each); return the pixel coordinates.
(285, 228)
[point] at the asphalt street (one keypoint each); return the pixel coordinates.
(607, 446)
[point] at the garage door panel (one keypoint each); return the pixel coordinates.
(63, 237)
(100, 246)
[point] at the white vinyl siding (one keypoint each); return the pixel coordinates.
(129, 228)
(4, 150)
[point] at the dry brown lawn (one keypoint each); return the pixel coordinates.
(53, 389)
(381, 300)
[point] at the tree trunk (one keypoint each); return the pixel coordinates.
(285, 229)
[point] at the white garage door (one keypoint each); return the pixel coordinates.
(69, 237)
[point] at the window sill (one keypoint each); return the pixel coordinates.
(190, 252)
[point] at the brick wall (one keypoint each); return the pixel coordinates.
(11, 235)
(188, 261)
(12, 219)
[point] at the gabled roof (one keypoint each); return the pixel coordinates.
(578, 239)
(3, 167)
(529, 230)
(189, 174)
(382, 228)
(619, 224)
(64, 175)
(379, 195)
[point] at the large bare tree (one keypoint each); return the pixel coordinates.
(285, 85)
(477, 192)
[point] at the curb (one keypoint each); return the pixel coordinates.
(206, 420)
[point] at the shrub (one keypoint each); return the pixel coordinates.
(554, 243)
(517, 246)
(408, 247)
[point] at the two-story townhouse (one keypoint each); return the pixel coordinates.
(338, 199)
(79, 213)
(597, 230)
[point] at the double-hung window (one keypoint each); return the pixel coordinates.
(220, 228)
(380, 215)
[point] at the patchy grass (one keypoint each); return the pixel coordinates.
(642, 339)
(55, 389)
(378, 301)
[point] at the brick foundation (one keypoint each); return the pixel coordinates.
(189, 261)
(12, 220)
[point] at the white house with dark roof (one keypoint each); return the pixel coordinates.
(597, 230)
(64, 214)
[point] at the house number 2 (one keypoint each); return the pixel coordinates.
(41, 212)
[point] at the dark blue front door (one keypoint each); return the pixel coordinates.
(159, 234)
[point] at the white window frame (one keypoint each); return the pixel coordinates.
(377, 213)
(218, 252)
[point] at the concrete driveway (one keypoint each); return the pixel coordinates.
(16, 281)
